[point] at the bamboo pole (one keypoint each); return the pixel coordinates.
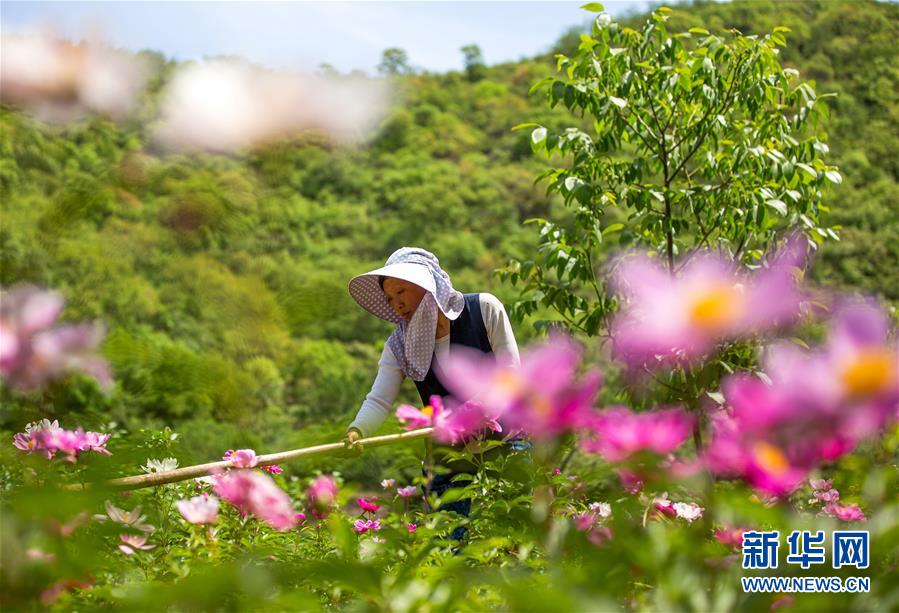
(200, 470)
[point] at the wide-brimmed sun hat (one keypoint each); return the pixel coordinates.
(410, 264)
(413, 341)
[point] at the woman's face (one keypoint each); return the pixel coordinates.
(403, 296)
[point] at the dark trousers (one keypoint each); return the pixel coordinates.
(439, 485)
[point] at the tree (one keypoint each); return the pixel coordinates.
(394, 61)
(475, 68)
(699, 141)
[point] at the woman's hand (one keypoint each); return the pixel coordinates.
(351, 440)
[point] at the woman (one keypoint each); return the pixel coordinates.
(412, 291)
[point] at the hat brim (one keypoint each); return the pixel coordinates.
(367, 292)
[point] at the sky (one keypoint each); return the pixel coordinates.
(303, 35)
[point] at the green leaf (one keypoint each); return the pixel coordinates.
(593, 7)
(619, 102)
(699, 31)
(833, 176)
(615, 227)
(778, 205)
(521, 126)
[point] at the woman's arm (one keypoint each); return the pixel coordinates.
(499, 330)
(379, 401)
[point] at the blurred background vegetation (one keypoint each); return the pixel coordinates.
(222, 280)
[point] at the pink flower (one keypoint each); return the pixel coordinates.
(387, 483)
(131, 542)
(48, 439)
(243, 458)
(732, 537)
(452, 424)
(411, 528)
(817, 407)
(256, 493)
(273, 469)
(362, 526)
(543, 397)
(322, 495)
(301, 517)
(619, 433)
(413, 418)
(199, 509)
(584, 521)
(34, 350)
(683, 317)
(407, 491)
(631, 481)
(368, 505)
(689, 511)
(821, 484)
(830, 495)
(95, 441)
(847, 512)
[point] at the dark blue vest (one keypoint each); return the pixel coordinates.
(468, 330)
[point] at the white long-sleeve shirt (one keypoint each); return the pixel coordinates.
(386, 387)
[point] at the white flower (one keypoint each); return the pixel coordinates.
(603, 20)
(160, 466)
(688, 510)
(44, 425)
(602, 509)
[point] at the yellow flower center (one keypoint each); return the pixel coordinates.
(508, 381)
(771, 459)
(715, 309)
(428, 410)
(870, 372)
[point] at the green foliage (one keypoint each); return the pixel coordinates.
(697, 141)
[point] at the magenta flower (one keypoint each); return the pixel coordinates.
(619, 433)
(663, 505)
(452, 424)
(732, 537)
(683, 317)
(48, 438)
(199, 509)
(301, 517)
(132, 542)
(34, 350)
(273, 469)
(542, 397)
(361, 526)
(322, 496)
(368, 504)
(254, 492)
(817, 407)
(407, 491)
(847, 512)
(411, 528)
